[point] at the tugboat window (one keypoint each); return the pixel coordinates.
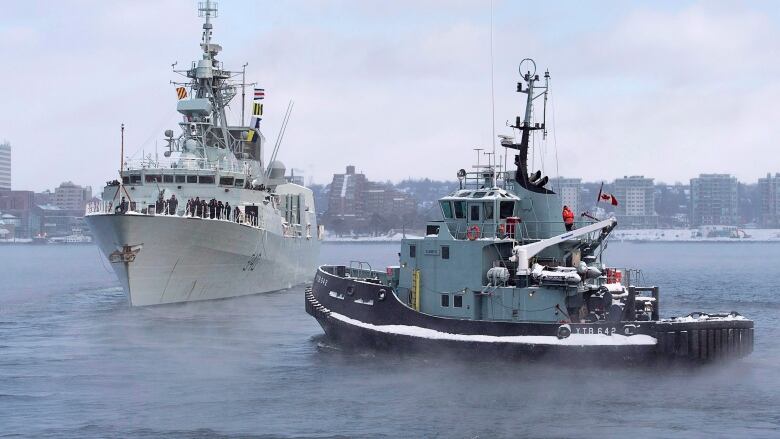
(135, 179)
(445, 252)
(126, 180)
(475, 212)
(181, 178)
(445, 300)
(192, 179)
(489, 211)
(479, 194)
(412, 251)
(239, 182)
(457, 301)
(167, 178)
(226, 181)
(153, 178)
(460, 209)
(446, 209)
(507, 209)
(206, 179)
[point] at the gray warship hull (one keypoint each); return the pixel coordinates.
(362, 313)
(168, 259)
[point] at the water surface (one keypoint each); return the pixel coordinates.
(76, 362)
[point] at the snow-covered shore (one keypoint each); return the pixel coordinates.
(694, 235)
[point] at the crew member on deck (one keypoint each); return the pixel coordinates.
(227, 210)
(568, 218)
(220, 208)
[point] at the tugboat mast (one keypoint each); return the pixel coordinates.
(533, 184)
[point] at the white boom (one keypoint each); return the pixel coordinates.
(524, 252)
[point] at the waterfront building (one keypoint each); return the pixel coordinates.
(358, 205)
(5, 166)
(636, 202)
(570, 190)
(714, 200)
(21, 204)
(768, 189)
(71, 197)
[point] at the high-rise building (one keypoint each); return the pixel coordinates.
(71, 197)
(769, 189)
(570, 192)
(5, 166)
(636, 202)
(714, 200)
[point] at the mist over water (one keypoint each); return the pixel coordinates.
(75, 361)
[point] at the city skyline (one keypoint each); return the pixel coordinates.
(668, 89)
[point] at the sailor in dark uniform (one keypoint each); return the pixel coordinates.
(227, 210)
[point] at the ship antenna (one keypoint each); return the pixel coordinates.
(207, 10)
(243, 92)
(492, 88)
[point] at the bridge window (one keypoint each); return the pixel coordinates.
(206, 179)
(167, 178)
(460, 209)
(135, 179)
(457, 301)
(153, 178)
(507, 209)
(475, 212)
(239, 182)
(226, 181)
(181, 178)
(445, 300)
(479, 194)
(446, 209)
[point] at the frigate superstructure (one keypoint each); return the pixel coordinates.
(212, 220)
(503, 274)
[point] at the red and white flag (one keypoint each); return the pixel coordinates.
(605, 197)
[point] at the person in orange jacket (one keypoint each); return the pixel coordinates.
(568, 218)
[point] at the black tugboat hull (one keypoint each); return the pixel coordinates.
(358, 314)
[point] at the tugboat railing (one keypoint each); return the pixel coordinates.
(501, 230)
(360, 269)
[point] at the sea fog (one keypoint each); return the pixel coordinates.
(75, 361)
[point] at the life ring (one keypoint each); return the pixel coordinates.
(473, 232)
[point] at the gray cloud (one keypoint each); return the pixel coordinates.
(403, 89)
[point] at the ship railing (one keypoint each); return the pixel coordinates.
(150, 209)
(360, 269)
(522, 231)
(184, 164)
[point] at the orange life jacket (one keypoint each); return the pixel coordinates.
(568, 216)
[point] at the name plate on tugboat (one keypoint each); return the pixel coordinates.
(432, 252)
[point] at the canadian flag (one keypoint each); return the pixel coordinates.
(605, 197)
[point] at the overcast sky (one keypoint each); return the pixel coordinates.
(402, 88)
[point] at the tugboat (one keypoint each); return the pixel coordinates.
(501, 274)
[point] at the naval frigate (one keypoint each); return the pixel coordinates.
(212, 220)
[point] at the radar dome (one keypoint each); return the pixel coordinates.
(277, 170)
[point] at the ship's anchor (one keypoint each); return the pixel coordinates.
(126, 254)
(252, 263)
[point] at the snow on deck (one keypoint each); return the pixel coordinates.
(572, 340)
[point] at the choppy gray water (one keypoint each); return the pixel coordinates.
(75, 361)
